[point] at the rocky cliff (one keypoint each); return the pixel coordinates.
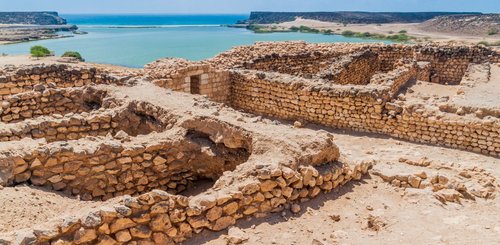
(34, 18)
(484, 24)
(347, 17)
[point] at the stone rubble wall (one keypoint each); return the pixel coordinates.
(106, 168)
(305, 65)
(448, 63)
(176, 74)
(395, 79)
(357, 68)
(15, 80)
(69, 127)
(48, 102)
(161, 218)
(360, 109)
(76, 113)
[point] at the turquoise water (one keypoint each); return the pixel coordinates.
(135, 40)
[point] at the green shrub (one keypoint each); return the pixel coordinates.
(73, 54)
(403, 32)
(258, 29)
(492, 32)
(328, 32)
(348, 33)
(485, 43)
(308, 29)
(39, 51)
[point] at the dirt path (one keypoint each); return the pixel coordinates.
(26, 206)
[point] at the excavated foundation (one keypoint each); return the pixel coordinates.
(161, 166)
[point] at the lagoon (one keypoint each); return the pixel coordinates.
(135, 40)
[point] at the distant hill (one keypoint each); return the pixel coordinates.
(484, 24)
(349, 17)
(32, 18)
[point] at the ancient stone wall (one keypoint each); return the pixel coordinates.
(48, 102)
(362, 108)
(107, 169)
(448, 63)
(163, 218)
(190, 77)
(15, 80)
(353, 69)
(306, 64)
(71, 127)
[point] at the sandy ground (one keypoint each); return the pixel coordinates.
(386, 29)
(18, 60)
(410, 216)
(26, 206)
(479, 91)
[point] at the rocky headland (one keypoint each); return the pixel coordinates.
(422, 27)
(30, 26)
(347, 17)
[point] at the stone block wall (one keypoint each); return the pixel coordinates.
(398, 77)
(357, 68)
(161, 218)
(448, 64)
(180, 75)
(361, 108)
(306, 64)
(101, 169)
(136, 118)
(48, 102)
(15, 80)
(70, 127)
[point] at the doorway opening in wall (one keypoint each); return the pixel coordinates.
(195, 84)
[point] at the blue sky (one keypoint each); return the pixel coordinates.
(245, 6)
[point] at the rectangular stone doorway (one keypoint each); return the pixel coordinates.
(195, 84)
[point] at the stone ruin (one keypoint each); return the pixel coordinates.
(180, 147)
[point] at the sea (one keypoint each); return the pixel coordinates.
(134, 40)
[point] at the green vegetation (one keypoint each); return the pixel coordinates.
(401, 37)
(73, 54)
(348, 33)
(485, 43)
(304, 29)
(39, 51)
(492, 32)
(260, 29)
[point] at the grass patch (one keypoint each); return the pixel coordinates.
(492, 32)
(401, 37)
(488, 44)
(304, 29)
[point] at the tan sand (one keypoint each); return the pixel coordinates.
(413, 29)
